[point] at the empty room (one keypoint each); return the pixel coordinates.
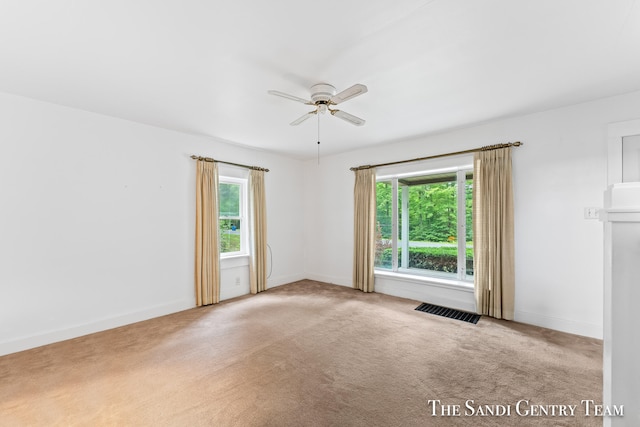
(339, 213)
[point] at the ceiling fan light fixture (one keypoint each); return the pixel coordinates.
(323, 95)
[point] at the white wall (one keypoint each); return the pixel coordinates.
(560, 170)
(97, 217)
(97, 221)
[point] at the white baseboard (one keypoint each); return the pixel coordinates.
(334, 280)
(564, 325)
(50, 337)
(272, 282)
(458, 298)
(416, 292)
(463, 299)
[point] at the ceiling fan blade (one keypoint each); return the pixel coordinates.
(348, 117)
(292, 97)
(303, 118)
(349, 93)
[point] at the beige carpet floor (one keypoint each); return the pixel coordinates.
(303, 354)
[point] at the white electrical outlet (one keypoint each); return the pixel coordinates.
(237, 281)
(591, 213)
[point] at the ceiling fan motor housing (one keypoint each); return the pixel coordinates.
(322, 93)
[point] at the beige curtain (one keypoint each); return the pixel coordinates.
(494, 276)
(364, 235)
(207, 268)
(258, 247)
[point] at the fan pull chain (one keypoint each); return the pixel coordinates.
(318, 139)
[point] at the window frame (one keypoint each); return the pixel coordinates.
(243, 217)
(461, 171)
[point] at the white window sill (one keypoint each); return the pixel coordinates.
(426, 280)
(233, 261)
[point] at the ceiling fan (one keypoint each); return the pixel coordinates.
(323, 96)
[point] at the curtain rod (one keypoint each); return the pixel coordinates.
(473, 150)
(209, 159)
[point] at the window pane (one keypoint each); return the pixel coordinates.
(384, 215)
(432, 222)
(230, 217)
(229, 199)
(469, 223)
(230, 232)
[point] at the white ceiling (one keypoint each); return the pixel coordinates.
(204, 67)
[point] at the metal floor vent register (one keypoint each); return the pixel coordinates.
(449, 312)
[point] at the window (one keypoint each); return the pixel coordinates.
(233, 225)
(424, 223)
